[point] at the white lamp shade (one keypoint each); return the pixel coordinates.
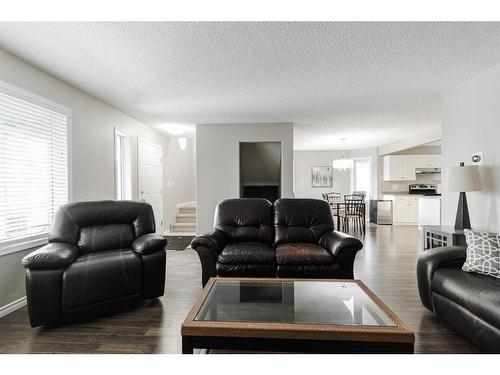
(464, 179)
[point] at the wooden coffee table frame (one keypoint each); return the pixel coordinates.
(294, 337)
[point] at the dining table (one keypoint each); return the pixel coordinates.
(337, 206)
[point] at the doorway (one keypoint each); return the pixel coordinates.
(150, 178)
(362, 176)
(260, 170)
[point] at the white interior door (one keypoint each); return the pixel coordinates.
(150, 176)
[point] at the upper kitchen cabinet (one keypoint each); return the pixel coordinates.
(428, 161)
(399, 168)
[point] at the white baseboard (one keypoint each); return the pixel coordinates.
(13, 306)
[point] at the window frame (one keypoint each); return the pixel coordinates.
(120, 132)
(354, 174)
(39, 239)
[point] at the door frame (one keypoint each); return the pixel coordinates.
(139, 176)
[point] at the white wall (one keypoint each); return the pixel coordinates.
(217, 163)
(471, 122)
(342, 180)
(92, 148)
(304, 160)
(178, 178)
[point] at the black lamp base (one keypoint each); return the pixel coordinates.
(462, 221)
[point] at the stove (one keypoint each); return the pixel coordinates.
(425, 189)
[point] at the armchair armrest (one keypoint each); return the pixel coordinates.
(344, 247)
(337, 242)
(55, 255)
(149, 244)
(208, 248)
(215, 241)
(429, 261)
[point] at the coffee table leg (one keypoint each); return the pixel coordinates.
(187, 345)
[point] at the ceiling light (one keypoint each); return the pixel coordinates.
(343, 164)
(175, 129)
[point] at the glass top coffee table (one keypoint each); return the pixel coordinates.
(293, 315)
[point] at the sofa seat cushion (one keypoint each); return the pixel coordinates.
(480, 294)
(247, 253)
(302, 254)
(246, 270)
(308, 270)
(101, 276)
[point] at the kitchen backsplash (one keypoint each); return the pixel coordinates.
(422, 178)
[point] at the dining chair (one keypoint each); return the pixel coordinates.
(360, 193)
(354, 211)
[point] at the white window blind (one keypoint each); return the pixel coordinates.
(33, 164)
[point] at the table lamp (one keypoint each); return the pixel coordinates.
(463, 179)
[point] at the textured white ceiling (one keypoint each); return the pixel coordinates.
(372, 83)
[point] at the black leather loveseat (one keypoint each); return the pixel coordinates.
(292, 238)
(467, 302)
(101, 256)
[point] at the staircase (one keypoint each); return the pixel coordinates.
(185, 220)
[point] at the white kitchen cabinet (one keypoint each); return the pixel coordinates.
(399, 168)
(405, 209)
(428, 161)
(400, 214)
(413, 210)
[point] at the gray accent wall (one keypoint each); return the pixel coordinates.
(471, 123)
(218, 164)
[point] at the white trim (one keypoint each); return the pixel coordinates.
(13, 306)
(124, 133)
(34, 99)
(69, 152)
(24, 243)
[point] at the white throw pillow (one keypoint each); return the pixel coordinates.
(483, 253)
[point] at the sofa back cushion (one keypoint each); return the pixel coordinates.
(106, 237)
(301, 220)
(245, 220)
(483, 253)
(102, 225)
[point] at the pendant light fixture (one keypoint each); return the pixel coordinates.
(343, 164)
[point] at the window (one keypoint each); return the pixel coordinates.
(123, 168)
(33, 164)
(362, 176)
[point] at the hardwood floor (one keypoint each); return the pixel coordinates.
(386, 265)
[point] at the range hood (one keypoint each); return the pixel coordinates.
(427, 170)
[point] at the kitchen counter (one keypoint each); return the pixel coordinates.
(388, 192)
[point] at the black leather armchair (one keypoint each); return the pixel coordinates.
(101, 257)
(293, 238)
(467, 302)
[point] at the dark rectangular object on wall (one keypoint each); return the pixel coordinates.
(271, 193)
(260, 170)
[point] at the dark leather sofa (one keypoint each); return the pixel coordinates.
(101, 257)
(467, 302)
(292, 238)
